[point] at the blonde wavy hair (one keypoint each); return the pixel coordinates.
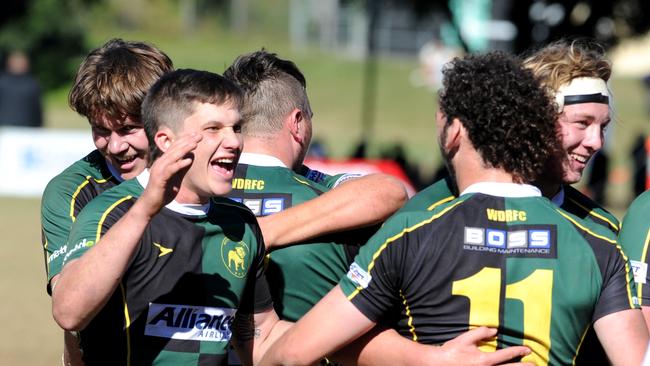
(562, 61)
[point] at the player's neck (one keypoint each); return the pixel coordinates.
(270, 146)
(469, 169)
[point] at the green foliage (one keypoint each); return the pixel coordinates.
(51, 33)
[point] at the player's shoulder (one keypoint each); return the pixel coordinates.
(590, 231)
(640, 205)
(92, 166)
(439, 193)
(584, 207)
(328, 180)
(124, 193)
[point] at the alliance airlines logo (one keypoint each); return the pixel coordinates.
(196, 323)
(234, 256)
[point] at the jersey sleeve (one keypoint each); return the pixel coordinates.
(93, 221)
(329, 181)
(618, 290)
(373, 281)
(634, 238)
(56, 221)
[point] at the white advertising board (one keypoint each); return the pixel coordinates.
(30, 157)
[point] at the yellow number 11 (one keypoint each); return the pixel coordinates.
(483, 290)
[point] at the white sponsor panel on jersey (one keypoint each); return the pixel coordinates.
(185, 322)
(640, 271)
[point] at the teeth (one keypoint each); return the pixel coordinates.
(224, 161)
(579, 158)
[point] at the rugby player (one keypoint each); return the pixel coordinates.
(277, 134)
(158, 266)
(499, 255)
(576, 73)
(108, 90)
(634, 238)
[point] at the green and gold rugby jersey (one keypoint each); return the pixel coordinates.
(299, 275)
(193, 269)
(537, 273)
(63, 198)
(569, 199)
(635, 238)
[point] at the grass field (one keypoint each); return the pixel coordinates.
(403, 114)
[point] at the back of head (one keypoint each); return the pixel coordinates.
(559, 62)
(114, 79)
(175, 96)
(509, 118)
(272, 88)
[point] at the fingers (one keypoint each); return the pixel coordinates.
(180, 149)
(503, 355)
(477, 335)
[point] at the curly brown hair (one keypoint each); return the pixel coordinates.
(509, 118)
(114, 79)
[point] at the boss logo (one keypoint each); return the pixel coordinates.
(504, 239)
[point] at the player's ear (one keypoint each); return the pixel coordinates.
(164, 139)
(455, 130)
(296, 123)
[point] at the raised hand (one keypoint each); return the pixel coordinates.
(166, 173)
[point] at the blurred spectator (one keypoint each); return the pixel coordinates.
(20, 94)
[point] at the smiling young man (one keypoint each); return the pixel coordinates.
(160, 267)
(108, 90)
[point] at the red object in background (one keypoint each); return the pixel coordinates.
(362, 166)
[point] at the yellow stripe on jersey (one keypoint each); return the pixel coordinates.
(103, 218)
(127, 325)
(408, 314)
(399, 235)
(305, 182)
(620, 250)
(76, 193)
(643, 259)
(582, 339)
(595, 214)
(446, 199)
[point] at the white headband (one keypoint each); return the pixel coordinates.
(582, 90)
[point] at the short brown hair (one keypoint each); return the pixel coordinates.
(115, 78)
(562, 61)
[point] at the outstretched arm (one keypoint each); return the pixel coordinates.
(254, 334)
(329, 325)
(357, 203)
(387, 347)
(624, 336)
(85, 284)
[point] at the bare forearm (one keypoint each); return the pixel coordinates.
(254, 335)
(85, 284)
(358, 203)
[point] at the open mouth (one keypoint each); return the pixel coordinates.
(224, 165)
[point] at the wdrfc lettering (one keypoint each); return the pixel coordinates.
(508, 239)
